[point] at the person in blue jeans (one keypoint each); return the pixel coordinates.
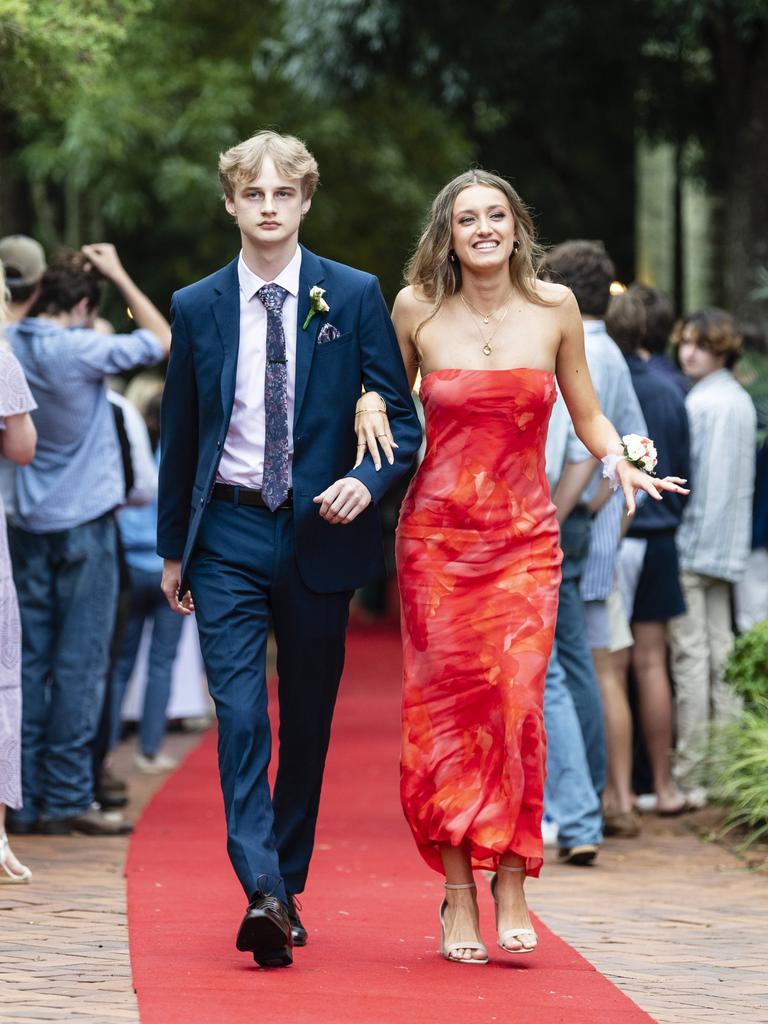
(138, 536)
(575, 739)
(62, 535)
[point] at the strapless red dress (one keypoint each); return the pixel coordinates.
(479, 570)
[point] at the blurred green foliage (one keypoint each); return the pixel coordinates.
(747, 667)
(739, 764)
(131, 153)
(112, 113)
(51, 51)
(739, 750)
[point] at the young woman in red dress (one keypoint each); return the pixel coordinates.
(477, 549)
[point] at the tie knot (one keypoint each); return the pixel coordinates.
(272, 297)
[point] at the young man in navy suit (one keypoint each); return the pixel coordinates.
(261, 513)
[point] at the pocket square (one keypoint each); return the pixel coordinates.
(328, 332)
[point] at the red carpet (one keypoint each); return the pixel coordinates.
(370, 907)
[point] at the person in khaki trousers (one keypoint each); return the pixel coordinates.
(714, 536)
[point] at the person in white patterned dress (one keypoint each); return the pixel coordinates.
(17, 444)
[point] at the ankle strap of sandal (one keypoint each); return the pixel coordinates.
(462, 885)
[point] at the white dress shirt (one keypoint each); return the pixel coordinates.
(144, 488)
(242, 461)
(716, 532)
(563, 446)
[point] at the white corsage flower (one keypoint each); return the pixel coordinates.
(318, 304)
(640, 451)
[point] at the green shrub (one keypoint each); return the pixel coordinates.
(740, 771)
(747, 668)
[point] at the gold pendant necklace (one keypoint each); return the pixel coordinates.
(486, 349)
(486, 316)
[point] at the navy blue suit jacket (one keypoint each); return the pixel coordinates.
(197, 405)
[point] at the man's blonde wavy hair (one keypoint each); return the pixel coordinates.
(289, 155)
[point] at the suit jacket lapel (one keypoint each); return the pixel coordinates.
(226, 312)
(311, 274)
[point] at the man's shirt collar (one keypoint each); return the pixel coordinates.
(288, 278)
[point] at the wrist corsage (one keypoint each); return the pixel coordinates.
(637, 450)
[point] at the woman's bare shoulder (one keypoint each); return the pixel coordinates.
(413, 300)
(556, 294)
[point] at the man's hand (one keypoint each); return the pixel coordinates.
(170, 587)
(103, 256)
(343, 501)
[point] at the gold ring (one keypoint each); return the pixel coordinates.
(381, 435)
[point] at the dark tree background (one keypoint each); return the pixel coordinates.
(112, 113)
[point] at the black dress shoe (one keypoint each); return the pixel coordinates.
(298, 931)
(111, 783)
(21, 828)
(110, 799)
(93, 822)
(266, 932)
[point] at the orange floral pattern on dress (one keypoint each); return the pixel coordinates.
(479, 570)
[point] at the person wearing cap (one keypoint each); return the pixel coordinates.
(24, 262)
(63, 534)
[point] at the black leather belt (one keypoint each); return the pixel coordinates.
(245, 496)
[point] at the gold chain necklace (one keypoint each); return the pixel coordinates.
(487, 350)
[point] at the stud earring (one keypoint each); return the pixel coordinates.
(451, 255)
(515, 247)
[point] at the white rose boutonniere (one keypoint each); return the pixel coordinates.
(318, 304)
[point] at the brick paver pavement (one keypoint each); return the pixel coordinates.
(678, 923)
(64, 937)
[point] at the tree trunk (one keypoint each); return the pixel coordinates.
(741, 67)
(15, 212)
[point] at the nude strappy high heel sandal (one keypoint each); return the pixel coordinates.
(527, 937)
(7, 876)
(447, 950)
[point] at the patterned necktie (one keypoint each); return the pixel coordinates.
(274, 486)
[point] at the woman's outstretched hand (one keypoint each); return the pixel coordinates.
(373, 431)
(633, 480)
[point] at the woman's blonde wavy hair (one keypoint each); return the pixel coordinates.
(434, 274)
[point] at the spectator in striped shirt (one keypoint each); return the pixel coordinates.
(714, 536)
(585, 630)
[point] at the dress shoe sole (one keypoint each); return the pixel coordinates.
(266, 940)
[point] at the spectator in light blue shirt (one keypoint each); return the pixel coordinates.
(63, 535)
(571, 801)
(583, 639)
(586, 268)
